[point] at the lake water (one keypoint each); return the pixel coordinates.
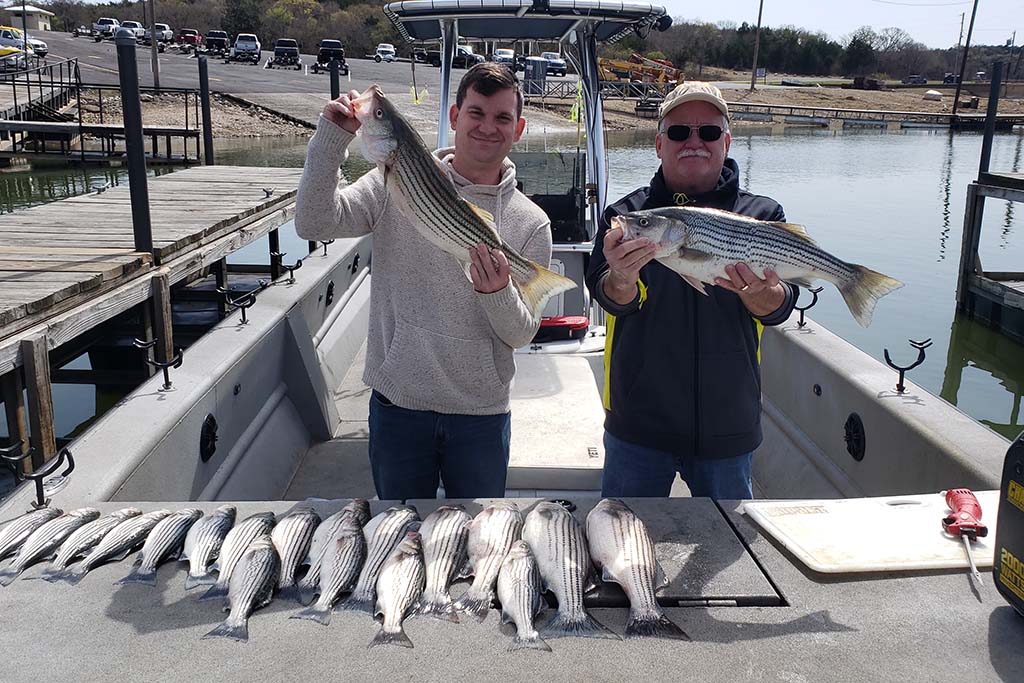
(893, 201)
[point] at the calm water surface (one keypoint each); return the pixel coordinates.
(893, 201)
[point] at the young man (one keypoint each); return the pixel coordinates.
(439, 347)
(683, 392)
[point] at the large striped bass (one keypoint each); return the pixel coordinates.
(165, 540)
(519, 593)
(292, 536)
(203, 543)
(398, 588)
(324, 538)
(383, 533)
(491, 534)
(339, 569)
(251, 587)
(444, 535)
(235, 545)
(121, 542)
(424, 191)
(14, 532)
(699, 243)
(84, 539)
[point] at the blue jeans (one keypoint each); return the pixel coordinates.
(411, 451)
(638, 471)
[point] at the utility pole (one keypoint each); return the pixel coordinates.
(757, 44)
(960, 38)
(154, 51)
(963, 61)
(24, 32)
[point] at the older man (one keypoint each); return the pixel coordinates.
(682, 387)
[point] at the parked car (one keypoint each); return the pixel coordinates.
(286, 53)
(189, 38)
(556, 65)
(247, 48)
(385, 53)
(164, 34)
(135, 27)
(13, 37)
(40, 48)
(105, 27)
(951, 79)
(217, 42)
(506, 56)
(463, 58)
(915, 79)
(326, 51)
(419, 54)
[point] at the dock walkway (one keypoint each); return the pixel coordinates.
(71, 264)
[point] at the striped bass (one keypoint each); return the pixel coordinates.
(622, 549)
(398, 588)
(699, 243)
(122, 541)
(14, 532)
(251, 587)
(83, 539)
(165, 540)
(235, 544)
(203, 543)
(338, 571)
(519, 593)
(445, 533)
(44, 540)
(385, 532)
(292, 537)
(557, 541)
(358, 510)
(424, 191)
(491, 534)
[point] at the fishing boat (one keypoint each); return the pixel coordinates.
(273, 410)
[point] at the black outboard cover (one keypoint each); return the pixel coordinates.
(1008, 568)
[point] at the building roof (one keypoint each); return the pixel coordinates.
(29, 9)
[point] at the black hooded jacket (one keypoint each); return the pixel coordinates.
(681, 368)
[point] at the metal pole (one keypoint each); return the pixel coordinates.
(449, 37)
(204, 94)
(335, 80)
(963, 60)
(24, 32)
(757, 45)
(594, 118)
(990, 117)
(128, 74)
(959, 40)
(154, 52)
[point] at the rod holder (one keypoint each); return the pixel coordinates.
(243, 302)
(279, 255)
(325, 244)
(814, 299)
(165, 366)
(920, 346)
(10, 458)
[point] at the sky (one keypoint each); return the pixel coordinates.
(936, 23)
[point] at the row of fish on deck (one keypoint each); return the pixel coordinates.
(393, 565)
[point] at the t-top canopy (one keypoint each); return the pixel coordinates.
(523, 19)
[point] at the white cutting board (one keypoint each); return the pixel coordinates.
(891, 533)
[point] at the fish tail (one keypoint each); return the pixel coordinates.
(541, 285)
(532, 641)
(318, 613)
(863, 290)
(216, 591)
(653, 625)
(391, 638)
(289, 593)
(139, 575)
(51, 574)
(474, 604)
(231, 629)
(74, 573)
(579, 625)
(439, 606)
(357, 603)
(8, 576)
(305, 593)
(196, 580)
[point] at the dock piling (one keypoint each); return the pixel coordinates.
(35, 356)
(204, 95)
(128, 74)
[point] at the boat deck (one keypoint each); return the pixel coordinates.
(879, 627)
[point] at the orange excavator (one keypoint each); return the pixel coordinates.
(640, 68)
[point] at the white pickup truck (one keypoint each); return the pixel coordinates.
(105, 27)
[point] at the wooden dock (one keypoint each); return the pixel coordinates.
(70, 265)
(993, 298)
(41, 134)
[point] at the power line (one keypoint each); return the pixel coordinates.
(921, 4)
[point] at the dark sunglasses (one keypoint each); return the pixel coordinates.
(681, 132)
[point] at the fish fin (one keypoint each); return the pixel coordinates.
(474, 604)
(216, 591)
(183, 555)
(234, 631)
(864, 289)
(539, 605)
(695, 283)
(607, 577)
(466, 571)
(305, 593)
(653, 625)
(120, 557)
(207, 579)
(314, 613)
(440, 607)
(794, 229)
(804, 282)
(138, 575)
(385, 638)
(541, 286)
(49, 575)
(531, 642)
(8, 576)
(579, 625)
(75, 573)
(483, 214)
(357, 604)
(289, 593)
(215, 567)
(660, 580)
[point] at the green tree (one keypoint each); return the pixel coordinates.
(858, 57)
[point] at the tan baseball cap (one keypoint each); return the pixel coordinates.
(693, 91)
